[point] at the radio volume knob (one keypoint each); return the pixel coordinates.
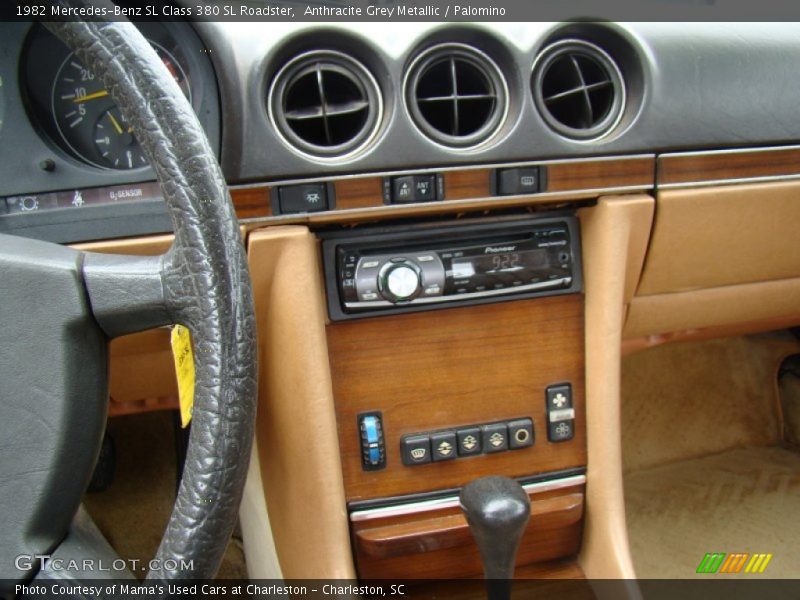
(399, 281)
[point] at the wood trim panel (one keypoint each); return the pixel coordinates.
(462, 185)
(723, 165)
(441, 545)
(596, 174)
(439, 532)
(455, 367)
(362, 192)
(355, 193)
(251, 202)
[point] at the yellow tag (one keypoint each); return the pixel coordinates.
(181, 340)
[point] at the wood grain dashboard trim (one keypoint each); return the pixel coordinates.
(473, 365)
(439, 532)
(465, 188)
(749, 165)
(439, 544)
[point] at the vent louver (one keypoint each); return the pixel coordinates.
(325, 104)
(456, 95)
(578, 89)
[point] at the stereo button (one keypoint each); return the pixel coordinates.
(433, 290)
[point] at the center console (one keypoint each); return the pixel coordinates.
(491, 383)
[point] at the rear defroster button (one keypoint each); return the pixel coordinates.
(415, 449)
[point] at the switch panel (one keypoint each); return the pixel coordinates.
(470, 440)
(373, 448)
(560, 413)
(407, 189)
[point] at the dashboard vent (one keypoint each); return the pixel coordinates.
(456, 95)
(325, 104)
(578, 90)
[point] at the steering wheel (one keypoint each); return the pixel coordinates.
(60, 307)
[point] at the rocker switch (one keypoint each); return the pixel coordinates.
(373, 448)
(560, 413)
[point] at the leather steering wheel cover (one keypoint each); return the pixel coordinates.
(206, 287)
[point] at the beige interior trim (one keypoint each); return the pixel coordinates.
(145, 246)
(262, 558)
(750, 302)
(296, 428)
(723, 235)
(614, 232)
(635, 344)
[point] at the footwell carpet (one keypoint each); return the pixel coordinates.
(133, 512)
(707, 468)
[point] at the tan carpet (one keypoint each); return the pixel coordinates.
(706, 466)
(692, 399)
(133, 512)
(745, 500)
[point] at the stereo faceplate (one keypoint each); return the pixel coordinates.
(386, 271)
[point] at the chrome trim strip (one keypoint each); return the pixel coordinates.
(733, 181)
(544, 285)
(452, 501)
(730, 151)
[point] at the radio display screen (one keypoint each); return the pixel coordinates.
(507, 262)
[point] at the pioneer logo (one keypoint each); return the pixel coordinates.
(496, 249)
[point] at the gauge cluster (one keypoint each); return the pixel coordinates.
(75, 112)
(66, 146)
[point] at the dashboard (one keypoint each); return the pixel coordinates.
(308, 102)
(478, 213)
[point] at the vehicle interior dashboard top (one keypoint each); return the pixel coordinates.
(389, 104)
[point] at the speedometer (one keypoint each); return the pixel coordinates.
(90, 124)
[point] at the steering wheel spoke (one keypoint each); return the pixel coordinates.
(126, 293)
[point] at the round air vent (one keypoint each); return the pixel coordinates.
(325, 104)
(578, 89)
(456, 95)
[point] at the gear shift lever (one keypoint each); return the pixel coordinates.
(497, 510)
